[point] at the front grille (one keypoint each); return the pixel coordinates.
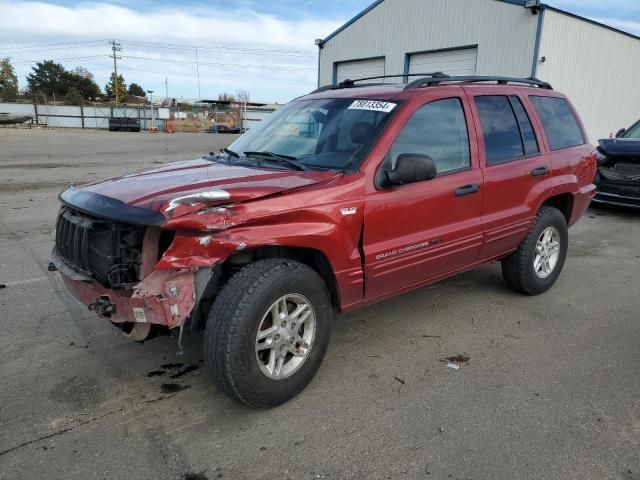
(622, 172)
(107, 251)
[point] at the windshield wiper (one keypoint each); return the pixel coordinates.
(231, 153)
(277, 157)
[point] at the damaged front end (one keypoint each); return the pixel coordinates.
(108, 254)
(618, 175)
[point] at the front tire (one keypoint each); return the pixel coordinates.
(536, 265)
(268, 331)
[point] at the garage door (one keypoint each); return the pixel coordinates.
(360, 69)
(451, 62)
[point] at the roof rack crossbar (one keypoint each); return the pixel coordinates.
(348, 83)
(420, 82)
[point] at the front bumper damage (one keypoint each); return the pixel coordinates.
(616, 192)
(165, 297)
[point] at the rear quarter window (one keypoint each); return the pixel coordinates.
(559, 122)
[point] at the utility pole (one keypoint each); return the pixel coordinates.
(153, 120)
(198, 75)
(115, 47)
(166, 89)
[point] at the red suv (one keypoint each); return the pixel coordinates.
(341, 198)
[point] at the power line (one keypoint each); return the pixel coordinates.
(215, 64)
(25, 62)
(51, 46)
(219, 48)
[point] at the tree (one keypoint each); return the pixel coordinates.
(48, 77)
(82, 72)
(242, 96)
(8, 81)
(226, 97)
(137, 90)
(82, 82)
(240, 101)
(51, 78)
(73, 97)
(116, 84)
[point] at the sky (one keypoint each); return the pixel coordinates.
(265, 47)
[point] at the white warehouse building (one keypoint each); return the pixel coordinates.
(596, 66)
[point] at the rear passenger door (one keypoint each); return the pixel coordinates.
(514, 170)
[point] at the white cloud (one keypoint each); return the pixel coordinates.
(252, 32)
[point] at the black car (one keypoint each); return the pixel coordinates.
(618, 175)
(222, 129)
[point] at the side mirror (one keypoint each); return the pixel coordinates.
(410, 168)
(620, 132)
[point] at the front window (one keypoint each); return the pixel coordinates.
(439, 130)
(333, 133)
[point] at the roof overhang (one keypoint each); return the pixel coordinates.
(519, 3)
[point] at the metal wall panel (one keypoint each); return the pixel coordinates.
(94, 117)
(453, 62)
(505, 35)
(359, 69)
(598, 69)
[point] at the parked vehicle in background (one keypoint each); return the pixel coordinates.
(342, 198)
(124, 124)
(222, 129)
(618, 177)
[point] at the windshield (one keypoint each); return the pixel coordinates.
(333, 133)
(633, 132)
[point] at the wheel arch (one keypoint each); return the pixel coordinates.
(313, 258)
(210, 280)
(561, 201)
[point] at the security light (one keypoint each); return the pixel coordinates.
(533, 5)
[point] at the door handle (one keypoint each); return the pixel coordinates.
(539, 171)
(466, 190)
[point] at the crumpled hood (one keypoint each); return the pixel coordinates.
(192, 183)
(620, 147)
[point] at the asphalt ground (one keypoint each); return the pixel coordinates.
(551, 388)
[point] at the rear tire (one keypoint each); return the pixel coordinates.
(253, 318)
(536, 265)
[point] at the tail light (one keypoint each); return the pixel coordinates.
(593, 166)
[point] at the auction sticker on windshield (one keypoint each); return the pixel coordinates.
(373, 105)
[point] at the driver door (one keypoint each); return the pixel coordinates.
(418, 232)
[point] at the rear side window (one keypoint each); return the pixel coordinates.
(560, 123)
(529, 139)
(507, 130)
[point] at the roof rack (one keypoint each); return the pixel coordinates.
(352, 83)
(420, 82)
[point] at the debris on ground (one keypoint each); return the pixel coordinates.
(401, 380)
(456, 361)
(2, 285)
(460, 359)
(431, 336)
